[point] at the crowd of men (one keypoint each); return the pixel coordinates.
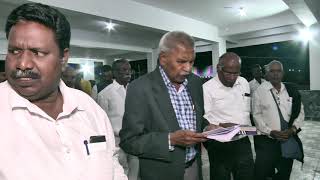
(148, 129)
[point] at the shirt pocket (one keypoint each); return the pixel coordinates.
(247, 103)
(288, 105)
(99, 162)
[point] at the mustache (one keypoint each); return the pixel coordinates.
(186, 74)
(25, 74)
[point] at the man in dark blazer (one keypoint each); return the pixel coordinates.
(163, 121)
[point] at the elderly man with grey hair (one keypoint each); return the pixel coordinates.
(278, 114)
(163, 120)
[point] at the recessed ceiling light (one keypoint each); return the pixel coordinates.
(242, 12)
(110, 26)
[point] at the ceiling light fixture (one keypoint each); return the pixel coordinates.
(242, 12)
(305, 34)
(109, 26)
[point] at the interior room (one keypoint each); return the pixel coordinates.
(258, 31)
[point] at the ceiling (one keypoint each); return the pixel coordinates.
(220, 12)
(265, 21)
(92, 28)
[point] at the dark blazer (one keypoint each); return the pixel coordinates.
(149, 117)
(296, 107)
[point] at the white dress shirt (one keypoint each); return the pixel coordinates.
(265, 112)
(112, 101)
(227, 104)
(35, 146)
(254, 84)
(94, 92)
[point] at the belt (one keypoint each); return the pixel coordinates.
(189, 163)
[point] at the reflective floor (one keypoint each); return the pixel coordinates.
(310, 136)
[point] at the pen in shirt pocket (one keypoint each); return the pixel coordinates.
(93, 140)
(85, 142)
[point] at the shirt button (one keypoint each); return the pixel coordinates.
(67, 150)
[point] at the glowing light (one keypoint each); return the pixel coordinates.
(275, 47)
(110, 26)
(85, 68)
(242, 12)
(305, 35)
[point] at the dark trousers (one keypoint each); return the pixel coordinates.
(268, 158)
(231, 157)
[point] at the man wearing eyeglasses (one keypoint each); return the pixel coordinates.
(227, 103)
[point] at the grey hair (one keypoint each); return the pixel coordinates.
(171, 39)
(267, 68)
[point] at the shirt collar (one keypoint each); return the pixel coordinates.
(15, 99)
(117, 85)
(70, 101)
(221, 85)
(262, 80)
(167, 81)
(270, 86)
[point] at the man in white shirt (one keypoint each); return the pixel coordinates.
(255, 82)
(48, 130)
(112, 100)
(266, 100)
(257, 78)
(227, 103)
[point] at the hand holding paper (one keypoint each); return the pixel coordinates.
(227, 134)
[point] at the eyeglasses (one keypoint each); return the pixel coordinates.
(226, 73)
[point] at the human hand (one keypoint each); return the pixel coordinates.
(225, 125)
(280, 135)
(186, 138)
(290, 132)
(211, 127)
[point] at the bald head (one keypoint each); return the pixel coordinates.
(228, 68)
(229, 57)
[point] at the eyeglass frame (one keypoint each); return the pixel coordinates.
(226, 73)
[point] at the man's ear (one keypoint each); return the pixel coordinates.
(65, 57)
(218, 67)
(162, 58)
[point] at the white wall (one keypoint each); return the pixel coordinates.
(314, 54)
(3, 49)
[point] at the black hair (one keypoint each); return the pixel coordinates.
(106, 68)
(45, 15)
(255, 66)
(116, 64)
(101, 70)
